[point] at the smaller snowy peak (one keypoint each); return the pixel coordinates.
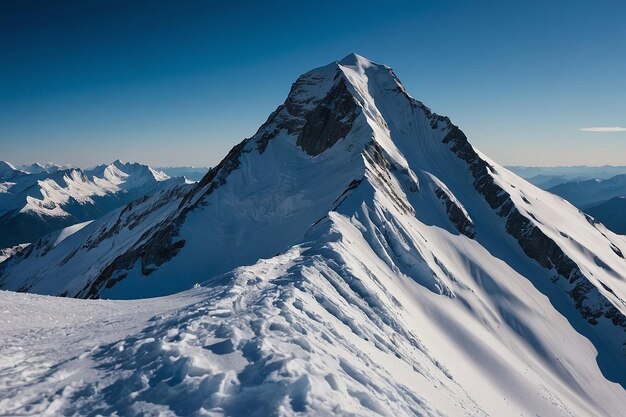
(137, 169)
(8, 171)
(37, 168)
(6, 253)
(121, 176)
(7, 165)
(125, 175)
(158, 175)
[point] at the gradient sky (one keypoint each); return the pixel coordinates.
(180, 83)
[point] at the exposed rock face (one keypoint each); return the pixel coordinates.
(157, 250)
(381, 168)
(319, 123)
(330, 121)
(456, 214)
(155, 247)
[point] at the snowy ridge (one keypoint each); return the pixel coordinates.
(6, 253)
(326, 329)
(393, 270)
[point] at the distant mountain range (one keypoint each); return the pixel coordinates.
(546, 177)
(598, 191)
(38, 199)
(612, 213)
(603, 199)
(589, 193)
(191, 173)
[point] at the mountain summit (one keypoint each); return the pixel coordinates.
(362, 258)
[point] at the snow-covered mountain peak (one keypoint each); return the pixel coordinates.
(8, 171)
(353, 59)
(37, 168)
(358, 246)
(328, 102)
(125, 175)
(7, 165)
(354, 94)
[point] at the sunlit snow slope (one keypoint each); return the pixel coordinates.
(404, 273)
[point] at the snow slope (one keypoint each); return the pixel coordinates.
(402, 273)
(326, 329)
(50, 197)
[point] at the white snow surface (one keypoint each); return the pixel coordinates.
(69, 231)
(324, 329)
(333, 284)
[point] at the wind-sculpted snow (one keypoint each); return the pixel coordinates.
(402, 273)
(327, 328)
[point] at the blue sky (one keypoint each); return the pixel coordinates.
(180, 83)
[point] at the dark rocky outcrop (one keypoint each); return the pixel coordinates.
(319, 122)
(380, 168)
(456, 215)
(330, 121)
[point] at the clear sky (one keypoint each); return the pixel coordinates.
(180, 83)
